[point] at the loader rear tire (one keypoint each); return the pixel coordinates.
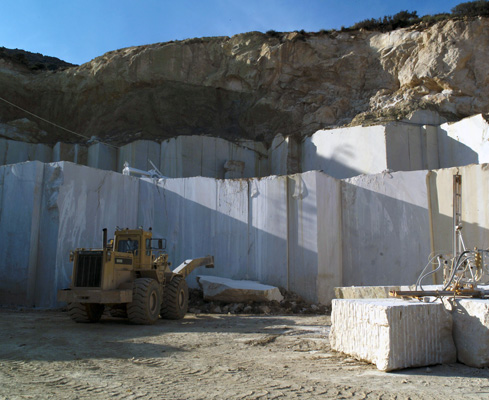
(146, 302)
(175, 299)
(85, 312)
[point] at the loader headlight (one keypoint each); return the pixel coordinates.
(109, 254)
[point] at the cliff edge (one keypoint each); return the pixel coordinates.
(254, 85)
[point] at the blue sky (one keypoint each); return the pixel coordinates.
(78, 31)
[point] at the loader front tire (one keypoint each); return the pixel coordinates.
(175, 299)
(146, 302)
(85, 312)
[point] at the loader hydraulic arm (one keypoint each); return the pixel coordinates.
(188, 266)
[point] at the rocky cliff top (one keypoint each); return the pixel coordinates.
(255, 85)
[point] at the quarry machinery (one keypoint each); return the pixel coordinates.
(464, 270)
(131, 276)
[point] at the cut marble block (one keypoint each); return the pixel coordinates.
(364, 292)
(471, 331)
(102, 156)
(393, 334)
(223, 289)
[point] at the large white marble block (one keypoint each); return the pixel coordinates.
(471, 331)
(229, 290)
(393, 334)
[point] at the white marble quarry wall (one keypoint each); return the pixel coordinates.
(138, 154)
(20, 209)
(314, 240)
(285, 155)
(198, 217)
(12, 152)
(278, 155)
(305, 232)
(63, 206)
(411, 147)
(330, 236)
(260, 229)
(187, 156)
(341, 152)
(102, 156)
(464, 142)
(386, 231)
(268, 230)
(475, 213)
(87, 200)
(75, 153)
(346, 152)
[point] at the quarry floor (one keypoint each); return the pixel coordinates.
(44, 355)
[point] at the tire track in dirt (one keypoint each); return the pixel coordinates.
(211, 357)
(36, 375)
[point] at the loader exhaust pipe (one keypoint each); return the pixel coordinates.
(104, 245)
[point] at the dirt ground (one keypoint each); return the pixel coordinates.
(44, 355)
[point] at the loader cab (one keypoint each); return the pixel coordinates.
(140, 244)
(129, 241)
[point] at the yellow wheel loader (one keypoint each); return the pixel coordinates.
(131, 276)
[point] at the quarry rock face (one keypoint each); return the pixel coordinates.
(256, 85)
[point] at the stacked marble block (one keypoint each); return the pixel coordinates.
(185, 156)
(70, 152)
(13, 152)
(395, 334)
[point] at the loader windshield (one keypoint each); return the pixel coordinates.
(127, 245)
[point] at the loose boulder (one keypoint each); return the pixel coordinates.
(232, 291)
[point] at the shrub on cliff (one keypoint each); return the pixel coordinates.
(400, 20)
(405, 19)
(433, 19)
(471, 9)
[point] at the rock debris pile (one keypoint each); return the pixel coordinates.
(291, 304)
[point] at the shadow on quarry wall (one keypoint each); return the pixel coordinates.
(406, 148)
(248, 230)
(452, 153)
(387, 240)
(337, 169)
(284, 231)
(250, 227)
(338, 166)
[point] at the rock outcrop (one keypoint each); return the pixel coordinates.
(255, 85)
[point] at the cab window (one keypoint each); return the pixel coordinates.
(127, 245)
